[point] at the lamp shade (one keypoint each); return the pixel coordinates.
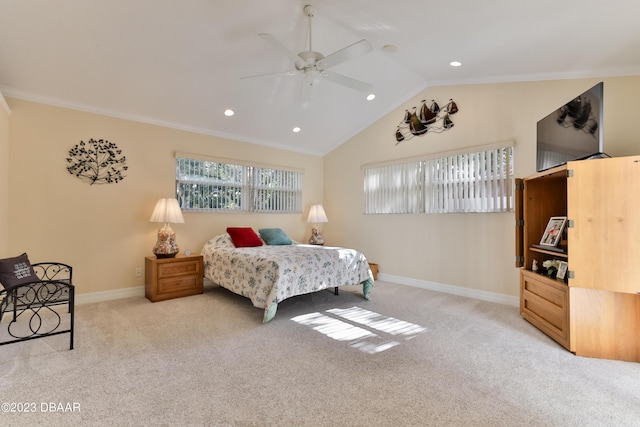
(167, 210)
(317, 215)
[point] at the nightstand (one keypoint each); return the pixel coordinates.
(374, 270)
(167, 278)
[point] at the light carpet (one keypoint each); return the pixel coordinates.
(407, 357)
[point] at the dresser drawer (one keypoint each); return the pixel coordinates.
(544, 302)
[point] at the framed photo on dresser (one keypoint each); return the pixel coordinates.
(562, 270)
(553, 233)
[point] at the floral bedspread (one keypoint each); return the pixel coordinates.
(269, 274)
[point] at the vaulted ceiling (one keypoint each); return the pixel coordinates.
(181, 63)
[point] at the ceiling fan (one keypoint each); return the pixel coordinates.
(314, 65)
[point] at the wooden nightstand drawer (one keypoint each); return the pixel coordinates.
(179, 268)
(189, 285)
(167, 278)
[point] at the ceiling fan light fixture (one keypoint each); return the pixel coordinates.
(313, 64)
(310, 11)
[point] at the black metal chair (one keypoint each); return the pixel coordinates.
(29, 311)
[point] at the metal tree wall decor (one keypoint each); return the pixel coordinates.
(97, 162)
(428, 118)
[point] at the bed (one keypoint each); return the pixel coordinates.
(270, 273)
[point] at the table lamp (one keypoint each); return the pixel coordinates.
(316, 217)
(167, 210)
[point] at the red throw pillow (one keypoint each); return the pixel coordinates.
(243, 237)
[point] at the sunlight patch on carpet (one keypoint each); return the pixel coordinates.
(367, 334)
(333, 328)
(379, 322)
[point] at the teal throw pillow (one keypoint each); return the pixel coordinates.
(274, 236)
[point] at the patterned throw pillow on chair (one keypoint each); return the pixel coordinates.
(16, 271)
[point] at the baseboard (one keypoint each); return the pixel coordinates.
(137, 291)
(454, 290)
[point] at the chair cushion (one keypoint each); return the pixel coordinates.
(16, 271)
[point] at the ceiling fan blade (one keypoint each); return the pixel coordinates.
(305, 89)
(345, 54)
(279, 73)
(282, 48)
(347, 81)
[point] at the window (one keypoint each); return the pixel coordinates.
(396, 188)
(470, 181)
(219, 186)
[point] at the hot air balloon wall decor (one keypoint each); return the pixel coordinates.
(428, 118)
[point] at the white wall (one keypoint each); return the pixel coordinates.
(103, 231)
(475, 251)
(4, 177)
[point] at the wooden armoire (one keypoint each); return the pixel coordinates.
(595, 310)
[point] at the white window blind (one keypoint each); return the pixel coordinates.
(203, 185)
(478, 181)
(275, 190)
(395, 188)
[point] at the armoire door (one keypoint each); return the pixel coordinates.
(603, 209)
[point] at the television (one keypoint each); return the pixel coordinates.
(572, 132)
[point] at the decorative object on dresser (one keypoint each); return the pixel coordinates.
(551, 267)
(562, 270)
(316, 217)
(587, 297)
(167, 210)
(167, 278)
(553, 232)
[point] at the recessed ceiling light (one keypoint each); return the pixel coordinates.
(296, 129)
(371, 97)
(229, 112)
(389, 48)
(455, 63)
